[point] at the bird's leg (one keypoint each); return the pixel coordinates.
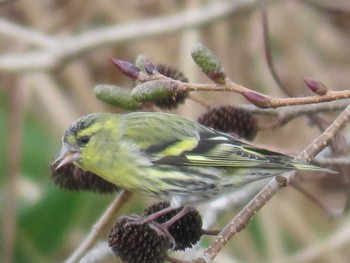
(151, 217)
(176, 217)
(160, 228)
(163, 228)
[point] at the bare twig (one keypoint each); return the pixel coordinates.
(258, 99)
(340, 160)
(265, 101)
(321, 142)
(289, 112)
(91, 239)
(329, 212)
(267, 47)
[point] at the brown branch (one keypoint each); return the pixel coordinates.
(289, 112)
(339, 160)
(322, 141)
(241, 220)
(258, 99)
(264, 101)
(99, 226)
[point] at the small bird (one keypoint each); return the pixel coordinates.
(167, 156)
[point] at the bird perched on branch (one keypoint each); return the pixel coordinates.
(167, 156)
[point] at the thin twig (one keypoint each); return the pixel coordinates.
(258, 99)
(99, 226)
(316, 201)
(340, 160)
(322, 141)
(211, 232)
(289, 112)
(267, 47)
(200, 101)
(175, 260)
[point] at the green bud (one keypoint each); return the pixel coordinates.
(116, 96)
(208, 63)
(154, 90)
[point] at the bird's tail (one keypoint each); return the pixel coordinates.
(311, 167)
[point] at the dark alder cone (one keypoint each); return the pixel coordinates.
(230, 119)
(73, 178)
(136, 243)
(186, 231)
(178, 96)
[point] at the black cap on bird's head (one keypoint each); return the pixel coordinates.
(81, 124)
(73, 140)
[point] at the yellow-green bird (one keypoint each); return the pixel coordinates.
(167, 156)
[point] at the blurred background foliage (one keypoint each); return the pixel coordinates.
(49, 223)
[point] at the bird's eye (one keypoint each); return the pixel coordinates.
(82, 141)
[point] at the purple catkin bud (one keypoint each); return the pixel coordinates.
(316, 86)
(127, 68)
(256, 98)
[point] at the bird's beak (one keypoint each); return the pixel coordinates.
(67, 155)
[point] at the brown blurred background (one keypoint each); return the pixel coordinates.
(53, 53)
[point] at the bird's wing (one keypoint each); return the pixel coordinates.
(160, 132)
(170, 139)
(222, 150)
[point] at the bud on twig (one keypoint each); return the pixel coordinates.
(145, 65)
(256, 98)
(116, 96)
(180, 95)
(316, 86)
(154, 90)
(127, 68)
(208, 63)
